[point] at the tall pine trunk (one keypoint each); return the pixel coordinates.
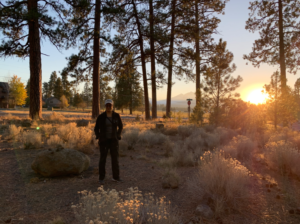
(143, 60)
(170, 67)
(153, 72)
(197, 43)
(281, 48)
(96, 63)
(35, 63)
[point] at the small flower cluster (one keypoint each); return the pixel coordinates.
(113, 207)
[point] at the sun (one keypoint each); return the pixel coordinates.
(256, 97)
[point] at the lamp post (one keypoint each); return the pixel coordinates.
(189, 106)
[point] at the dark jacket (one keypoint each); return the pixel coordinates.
(100, 126)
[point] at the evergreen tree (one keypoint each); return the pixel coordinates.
(219, 85)
(77, 100)
(105, 89)
(278, 26)
(46, 91)
(52, 83)
(87, 93)
(24, 24)
(58, 89)
(66, 85)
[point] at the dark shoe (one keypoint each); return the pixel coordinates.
(117, 180)
(101, 182)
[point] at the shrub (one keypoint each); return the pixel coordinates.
(47, 128)
(57, 220)
(112, 206)
(186, 130)
(14, 131)
(32, 140)
(66, 131)
(225, 179)
(284, 157)
(170, 178)
(81, 139)
(225, 134)
(54, 141)
(181, 156)
(55, 117)
(150, 138)
(131, 137)
(123, 146)
(240, 147)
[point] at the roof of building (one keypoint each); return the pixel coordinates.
(5, 86)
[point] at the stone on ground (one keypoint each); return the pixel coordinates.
(60, 162)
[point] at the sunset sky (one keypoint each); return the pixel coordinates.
(232, 30)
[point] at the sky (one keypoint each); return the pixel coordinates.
(231, 29)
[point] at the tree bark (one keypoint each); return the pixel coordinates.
(153, 72)
(35, 62)
(170, 68)
(141, 42)
(197, 43)
(96, 63)
(281, 48)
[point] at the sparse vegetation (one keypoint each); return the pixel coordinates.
(111, 206)
(240, 148)
(32, 140)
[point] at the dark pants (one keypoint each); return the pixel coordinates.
(113, 146)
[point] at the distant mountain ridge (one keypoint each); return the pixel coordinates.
(179, 100)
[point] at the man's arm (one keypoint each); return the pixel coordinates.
(97, 126)
(120, 127)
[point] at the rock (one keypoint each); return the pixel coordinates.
(204, 211)
(60, 162)
(160, 126)
(170, 181)
(82, 123)
(26, 123)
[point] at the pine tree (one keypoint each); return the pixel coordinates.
(66, 85)
(24, 24)
(278, 26)
(77, 100)
(87, 93)
(52, 83)
(219, 84)
(58, 89)
(46, 91)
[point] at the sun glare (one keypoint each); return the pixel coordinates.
(256, 96)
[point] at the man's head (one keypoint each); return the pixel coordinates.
(109, 105)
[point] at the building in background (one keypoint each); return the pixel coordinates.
(4, 94)
(53, 102)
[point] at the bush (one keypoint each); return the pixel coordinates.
(57, 220)
(186, 130)
(54, 141)
(225, 134)
(55, 117)
(225, 179)
(284, 157)
(32, 140)
(131, 137)
(14, 131)
(66, 131)
(116, 207)
(240, 147)
(170, 178)
(150, 138)
(81, 139)
(123, 146)
(181, 156)
(47, 128)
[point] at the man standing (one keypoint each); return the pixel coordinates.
(108, 130)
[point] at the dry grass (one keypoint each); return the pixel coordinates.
(66, 131)
(47, 128)
(54, 141)
(81, 139)
(186, 130)
(32, 140)
(171, 177)
(224, 179)
(241, 147)
(116, 207)
(55, 117)
(284, 157)
(57, 220)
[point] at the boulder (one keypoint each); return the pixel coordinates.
(82, 123)
(60, 162)
(204, 211)
(159, 126)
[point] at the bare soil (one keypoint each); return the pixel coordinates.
(26, 197)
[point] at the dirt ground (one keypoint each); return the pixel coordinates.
(28, 198)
